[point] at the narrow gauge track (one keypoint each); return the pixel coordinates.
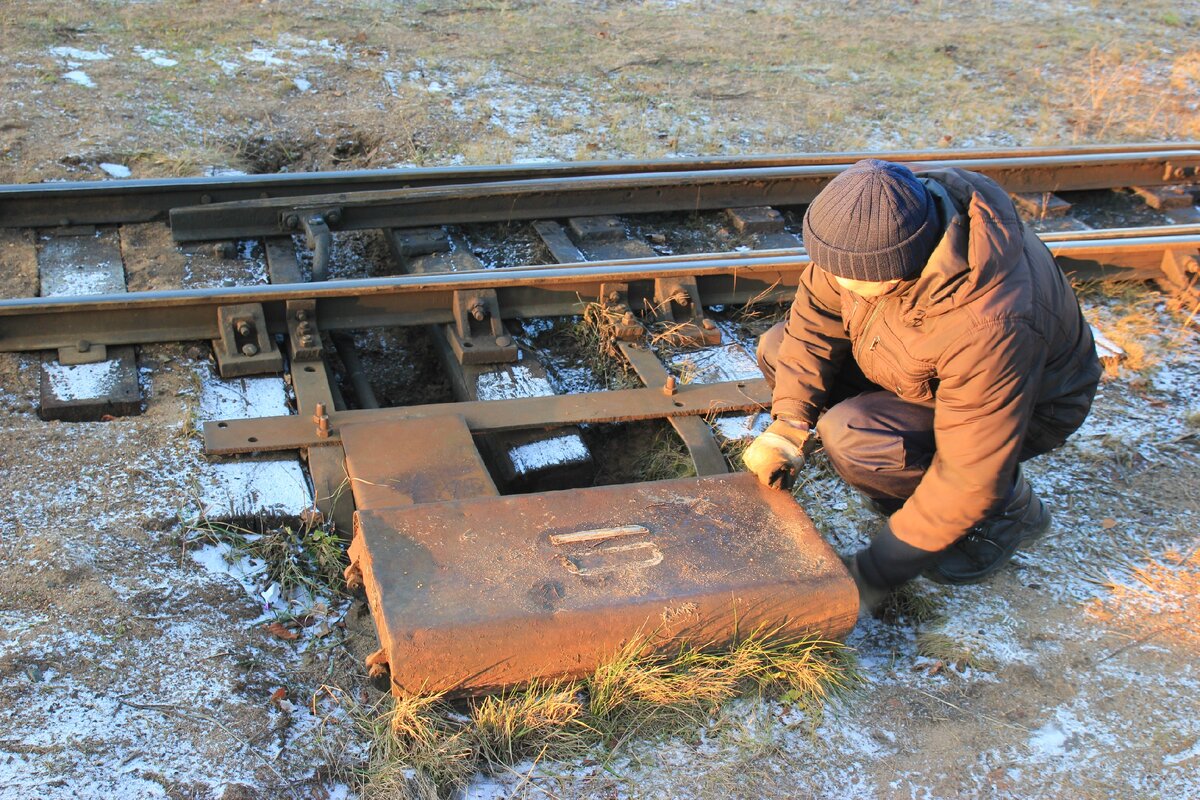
(524, 292)
(399, 501)
(111, 202)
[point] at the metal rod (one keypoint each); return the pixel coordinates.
(354, 370)
(643, 193)
(115, 202)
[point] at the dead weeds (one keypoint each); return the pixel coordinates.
(429, 746)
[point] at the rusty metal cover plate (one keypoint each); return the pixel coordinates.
(414, 461)
(471, 595)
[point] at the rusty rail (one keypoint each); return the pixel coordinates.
(642, 193)
(129, 201)
(523, 292)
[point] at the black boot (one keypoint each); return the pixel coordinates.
(990, 545)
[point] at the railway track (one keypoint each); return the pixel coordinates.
(479, 575)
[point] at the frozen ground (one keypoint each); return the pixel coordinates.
(134, 661)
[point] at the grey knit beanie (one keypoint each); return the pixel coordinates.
(874, 222)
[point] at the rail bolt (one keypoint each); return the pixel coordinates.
(244, 328)
(671, 386)
(322, 419)
(614, 297)
(478, 310)
(291, 221)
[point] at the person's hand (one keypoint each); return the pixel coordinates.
(870, 597)
(777, 454)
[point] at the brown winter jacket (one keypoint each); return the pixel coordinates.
(990, 332)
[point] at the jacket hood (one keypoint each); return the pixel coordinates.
(982, 240)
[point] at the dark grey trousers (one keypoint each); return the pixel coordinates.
(878, 443)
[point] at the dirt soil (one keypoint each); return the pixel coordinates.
(136, 662)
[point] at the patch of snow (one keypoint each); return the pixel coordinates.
(544, 453)
(265, 57)
(301, 84)
(1048, 740)
(76, 54)
(116, 170)
(733, 427)
(510, 381)
(80, 77)
(222, 559)
(241, 398)
(82, 381)
(156, 57)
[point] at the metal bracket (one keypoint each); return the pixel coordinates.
(315, 223)
(478, 335)
(1181, 273)
(421, 241)
(304, 338)
(84, 352)
(677, 303)
(614, 300)
(1178, 172)
(245, 346)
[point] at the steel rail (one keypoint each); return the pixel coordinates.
(522, 292)
(646, 193)
(130, 201)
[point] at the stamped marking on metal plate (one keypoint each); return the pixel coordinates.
(604, 560)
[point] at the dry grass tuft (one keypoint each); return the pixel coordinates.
(297, 556)
(946, 651)
(1134, 95)
(427, 746)
(912, 605)
(595, 337)
(1157, 597)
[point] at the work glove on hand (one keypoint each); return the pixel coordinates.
(870, 597)
(777, 454)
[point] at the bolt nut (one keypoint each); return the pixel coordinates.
(83, 346)
(478, 311)
(503, 341)
(708, 324)
(334, 217)
(302, 314)
(205, 199)
(628, 319)
(249, 349)
(671, 386)
(683, 299)
(614, 297)
(244, 328)
(291, 221)
(307, 340)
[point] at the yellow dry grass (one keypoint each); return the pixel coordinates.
(426, 746)
(1160, 597)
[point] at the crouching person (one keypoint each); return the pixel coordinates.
(945, 347)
